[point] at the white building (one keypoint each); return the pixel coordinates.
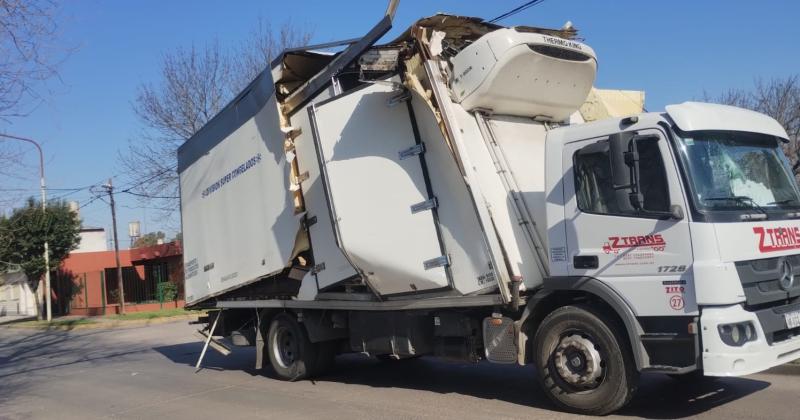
(93, 239)
(16, 297)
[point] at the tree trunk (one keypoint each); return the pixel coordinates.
(37, 301)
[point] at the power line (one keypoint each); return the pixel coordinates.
(148, 196)
(516, 10)
(95, 198)
(156, 175)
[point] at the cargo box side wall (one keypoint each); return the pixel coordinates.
(237, 210)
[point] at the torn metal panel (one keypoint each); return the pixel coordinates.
(316, 83)
(380, 59)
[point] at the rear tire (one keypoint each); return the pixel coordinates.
(292, 355)
(583, 362)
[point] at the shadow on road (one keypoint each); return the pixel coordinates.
(659, 397)
(241, 359)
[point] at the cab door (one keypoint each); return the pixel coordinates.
(646, 258)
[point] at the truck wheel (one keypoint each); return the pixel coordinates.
(583, 363)
(292, 355)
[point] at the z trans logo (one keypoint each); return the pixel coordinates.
(777, 239)
(617, 243)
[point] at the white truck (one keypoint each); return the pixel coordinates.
(442, 195)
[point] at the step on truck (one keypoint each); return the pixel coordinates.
(442, 194)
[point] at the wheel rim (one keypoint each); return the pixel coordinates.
(578, 362)
(285, 347)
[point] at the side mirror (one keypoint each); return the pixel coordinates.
(625, 167)
(619, 144)
(676, 212)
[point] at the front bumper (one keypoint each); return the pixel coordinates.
(720, 359)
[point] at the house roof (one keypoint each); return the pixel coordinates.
(171, 249)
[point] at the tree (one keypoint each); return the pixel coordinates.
(149, 239)
(27, 31)
(196, 83)
(23, 234)
(28, 58)
(780, 99)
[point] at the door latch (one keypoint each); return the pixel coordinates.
(585, 261)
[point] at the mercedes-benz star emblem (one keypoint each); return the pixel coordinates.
(787, 275)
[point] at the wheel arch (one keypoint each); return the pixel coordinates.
(560, 291)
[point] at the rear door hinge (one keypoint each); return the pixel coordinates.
(414, 150)
(317, 268)
(425, 205)
(442, 261)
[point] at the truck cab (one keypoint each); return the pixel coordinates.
(690, 216)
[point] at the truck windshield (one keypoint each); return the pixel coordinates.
(738, 171)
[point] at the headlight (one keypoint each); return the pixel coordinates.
(737, 335)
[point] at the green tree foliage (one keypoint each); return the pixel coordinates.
(149, 239)
(23, 234)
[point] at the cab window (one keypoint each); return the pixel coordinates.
(593, 183)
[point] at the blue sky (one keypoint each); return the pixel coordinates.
(672, 50)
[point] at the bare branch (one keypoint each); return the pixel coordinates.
(778, 98)
(27, 31)
(196, 83)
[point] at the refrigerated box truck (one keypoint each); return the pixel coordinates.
(442, 195)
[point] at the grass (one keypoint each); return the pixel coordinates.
(58, 323)
(163, 313)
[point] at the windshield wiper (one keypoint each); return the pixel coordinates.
(781, 202)
(740, 199)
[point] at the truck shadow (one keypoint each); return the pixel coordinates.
(659, 397)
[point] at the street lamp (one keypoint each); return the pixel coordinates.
(44, 208)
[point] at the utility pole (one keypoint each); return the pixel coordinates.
(110, 189)
(48, 298)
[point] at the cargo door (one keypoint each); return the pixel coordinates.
(381, 202)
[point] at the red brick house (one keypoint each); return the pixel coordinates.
(86, 282)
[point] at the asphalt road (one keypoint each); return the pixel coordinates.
(148, 372)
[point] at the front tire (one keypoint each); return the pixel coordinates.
(583, 363)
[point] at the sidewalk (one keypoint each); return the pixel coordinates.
(8, 319)
(98, 322)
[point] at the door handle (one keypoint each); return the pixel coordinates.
(585, 261)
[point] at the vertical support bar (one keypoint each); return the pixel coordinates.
(102, 291)
(85, 294)
(208, 340)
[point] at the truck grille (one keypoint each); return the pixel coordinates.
(764, 295)
(761, 281)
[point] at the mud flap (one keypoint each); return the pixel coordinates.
(261, 332)
(500, 339)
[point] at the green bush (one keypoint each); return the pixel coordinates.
(168, 291)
